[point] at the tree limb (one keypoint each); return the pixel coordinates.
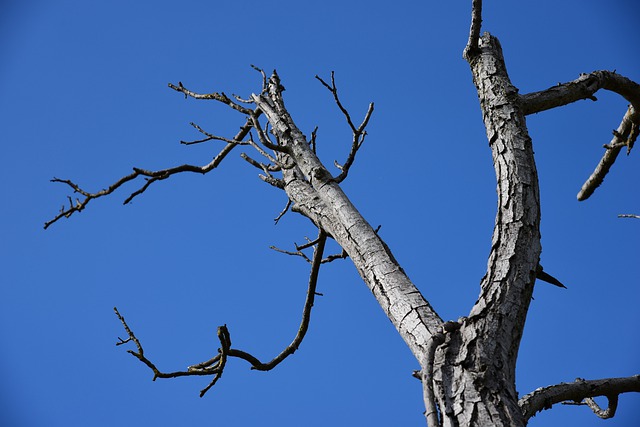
(215, 366)
(584, 87)
(220, 97)
(625, 135)
(474, 31)
(151, 177)
(315, 194)
(359, 132)
(546, 397)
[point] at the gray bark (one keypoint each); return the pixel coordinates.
(467, 366)
(475, 370)
(316, 195)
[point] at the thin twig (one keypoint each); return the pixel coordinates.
(297, 253)
(210, 137)
(284, 211)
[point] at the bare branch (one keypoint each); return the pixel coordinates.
(431, 411)
(306, 312)
(312, 143)
(546, 397)
(609, 412)
(140, 354)
(215, 366)
(359, 133)
(284, 211)
(264, 78)
(474, 31)
(216, 96)
(151, 176)
(584, 87)
(264, 139)
(623, 136)
(297, 253)
(330, 258)
(210, 137)
(334, 90)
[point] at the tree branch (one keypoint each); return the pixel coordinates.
(629, 216)
(359, 132)
(546, 397)
(151, 177)
(215, 366)
(472, 47)
(625, 135)
(584, 87)
(210, 137)
(220, 97)
(315, 194)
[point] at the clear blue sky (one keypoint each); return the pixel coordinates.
(85, 97)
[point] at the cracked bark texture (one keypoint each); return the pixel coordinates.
(315, 194)
(475, 368)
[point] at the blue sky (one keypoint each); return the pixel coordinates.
(85, 97)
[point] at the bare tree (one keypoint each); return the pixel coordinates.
(467, 365)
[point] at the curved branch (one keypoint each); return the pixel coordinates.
(584, 87)
(546, 397)
(215, 366)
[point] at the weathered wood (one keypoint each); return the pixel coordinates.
(316, 195)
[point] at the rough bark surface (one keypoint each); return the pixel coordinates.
(468, 366)
(316, 195)
(475, 373)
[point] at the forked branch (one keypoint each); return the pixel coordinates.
(215, 366)
(359, 133)
(150, 177)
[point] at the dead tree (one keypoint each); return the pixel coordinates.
(467, 365)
